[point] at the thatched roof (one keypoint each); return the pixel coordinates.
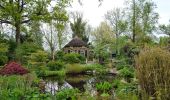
(76, 42)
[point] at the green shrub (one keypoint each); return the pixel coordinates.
(55, 65)
(104, 87)
(152, 68)
(127, 96)
(3, 53)
(75, 68)
(40, 70)
(119, 66)
(81, 68)
(74, 58)
(60, 73)
(17, 87)
(3, 60)
(67, 94)
(24, 51)
(60, 55)
(126, 73)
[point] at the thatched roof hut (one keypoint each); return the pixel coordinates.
(76, 45)
(76, 42)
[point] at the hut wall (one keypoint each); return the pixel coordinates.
(81, 50)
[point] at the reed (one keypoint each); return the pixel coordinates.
(153, 72)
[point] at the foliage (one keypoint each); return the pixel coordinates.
(24, 50)
(152, 68)
(39, 70)
(3, 53)
(11, 49)
(127, 96)
(104, 87)
(142, 18)
(120, 64)
(17, 13)
(126, 73)
(55, 65)
(125, 91)
(79, 27)
(94, 66)
(130, 49)
(165, 29)
(67, 94)
(13, 68)
(104, 39)
(18, 87)
(74, 58)
(164, 41)
(37, 59)
(116, 19)
(59, 55)
(75, 68)
(60, 73)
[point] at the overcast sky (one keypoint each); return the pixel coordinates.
(94, 13)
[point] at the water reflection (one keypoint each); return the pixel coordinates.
(85, 83)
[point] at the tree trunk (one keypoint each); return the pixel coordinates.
(117, 44)
(53, 55)
(134, 22)
(17, 33)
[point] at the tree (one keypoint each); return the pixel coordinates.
(165, 29)
(19, 12)
(117, 20)
(54, 28)
(60, 24)
(143, 18)
(79, 27)
(50, 36)
(103, 40)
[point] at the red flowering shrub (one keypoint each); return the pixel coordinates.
(13, 68)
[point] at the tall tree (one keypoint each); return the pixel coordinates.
(143, 18)
(79, 26)
(19, 12)
(50, 35)
(116, 18)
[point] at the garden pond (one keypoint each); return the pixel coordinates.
(85, 83)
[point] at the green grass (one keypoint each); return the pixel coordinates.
(60, 73)
(77, 68)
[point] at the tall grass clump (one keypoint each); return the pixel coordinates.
(153, 72)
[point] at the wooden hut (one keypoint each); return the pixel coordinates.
(76, 45)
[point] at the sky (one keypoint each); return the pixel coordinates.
(94, 14)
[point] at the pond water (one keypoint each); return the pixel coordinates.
(82, 82)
